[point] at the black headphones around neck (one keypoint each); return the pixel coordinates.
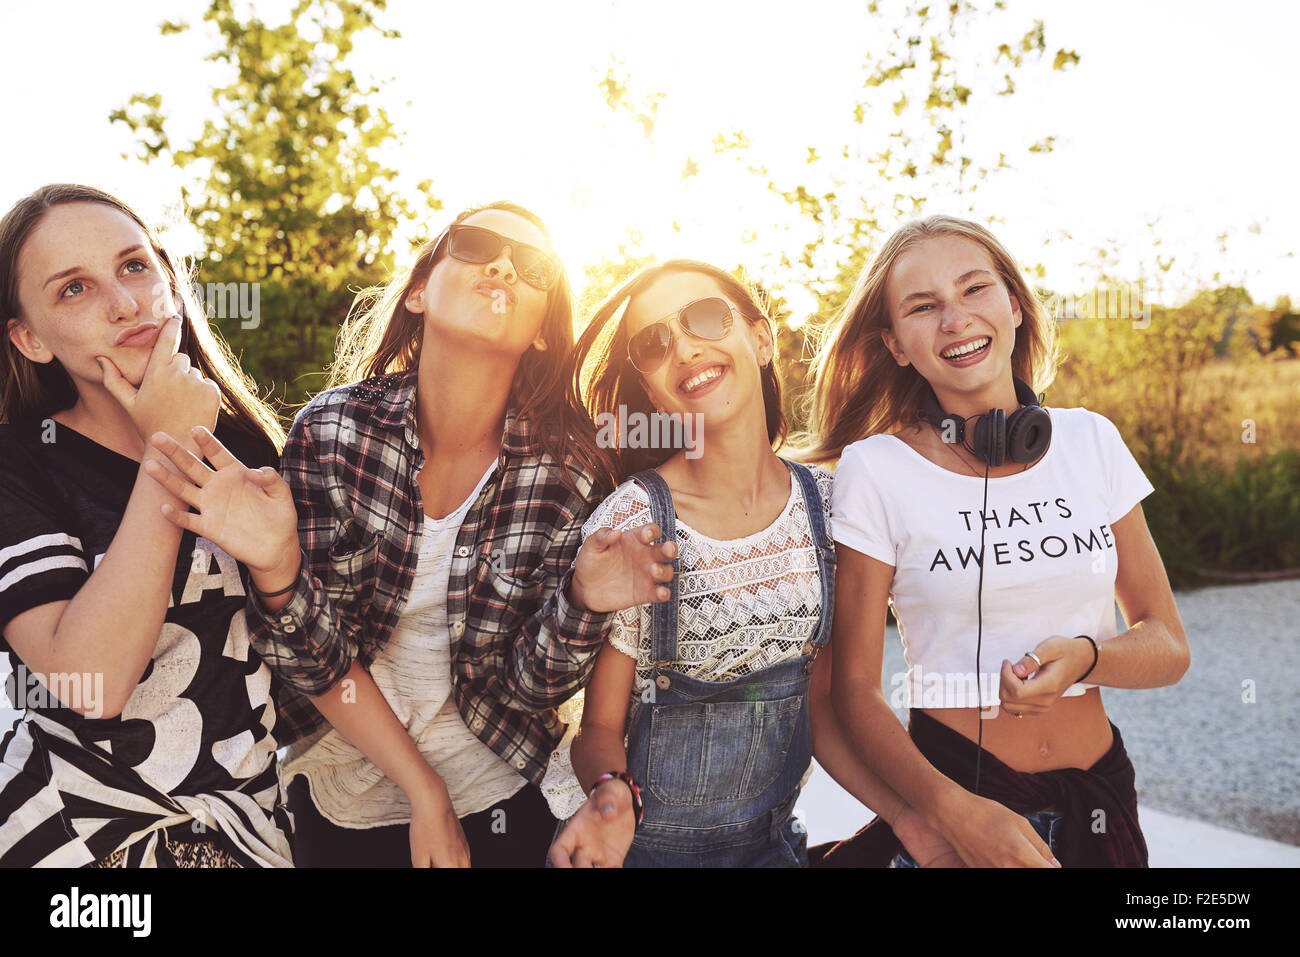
(1022, 436)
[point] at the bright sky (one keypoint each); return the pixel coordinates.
(1179, 114)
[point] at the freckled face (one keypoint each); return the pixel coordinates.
(90, 284)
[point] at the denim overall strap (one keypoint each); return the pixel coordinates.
(825, 557)
(720, 762)
(663, 615)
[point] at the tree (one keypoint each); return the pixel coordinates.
(292, 203)
(908, 140)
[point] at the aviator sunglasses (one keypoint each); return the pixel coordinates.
(704, 319)
(474, 244)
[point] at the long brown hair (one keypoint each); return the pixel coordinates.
(382, 336)
(37, 390)
(858, 388)
(606, 379)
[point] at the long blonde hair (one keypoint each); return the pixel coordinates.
(858, 388)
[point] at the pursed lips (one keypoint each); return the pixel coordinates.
(137, 335)
(493, 287)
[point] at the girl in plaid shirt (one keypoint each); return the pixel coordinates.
(430, 605)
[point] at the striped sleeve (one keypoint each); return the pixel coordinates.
(41, 556)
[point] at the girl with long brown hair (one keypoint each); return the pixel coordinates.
(430, 604)
(997, 531)
(146, 737)
(704, 712)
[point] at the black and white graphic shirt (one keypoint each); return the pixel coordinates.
(193, 745)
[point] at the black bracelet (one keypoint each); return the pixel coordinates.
(1094, 657)
(282, 591)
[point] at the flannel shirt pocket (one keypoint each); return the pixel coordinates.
(518, 595)
(353, 555)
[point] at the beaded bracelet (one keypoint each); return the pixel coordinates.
(635, 788)
(1094, 657)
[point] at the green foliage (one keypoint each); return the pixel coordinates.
(1240, 519)
(290, 191)
(1209, 419)
(927, 80)
(602, 278)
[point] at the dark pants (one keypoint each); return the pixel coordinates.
(520, 839)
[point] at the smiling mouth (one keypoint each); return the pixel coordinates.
(701, 379)
(966, 350)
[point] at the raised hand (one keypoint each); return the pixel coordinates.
(173, 397)
(247, 512)
(600, 834)
(616, 570)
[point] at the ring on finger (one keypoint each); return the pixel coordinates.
(1038, 661)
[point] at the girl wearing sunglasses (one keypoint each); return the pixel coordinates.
(1001, 540)
(704, 712)
(146, 733)
(430, 604)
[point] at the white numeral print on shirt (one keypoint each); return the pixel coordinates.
(177, 723)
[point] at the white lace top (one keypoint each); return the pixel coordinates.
(744, 604)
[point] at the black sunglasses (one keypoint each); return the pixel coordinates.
(474, 244)
(704, 319)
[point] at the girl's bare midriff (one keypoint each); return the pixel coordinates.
(1075, 733)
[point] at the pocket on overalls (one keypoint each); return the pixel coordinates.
(710, 752)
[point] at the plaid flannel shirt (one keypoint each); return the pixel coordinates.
(519, 648)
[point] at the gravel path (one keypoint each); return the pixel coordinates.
(1201, 748)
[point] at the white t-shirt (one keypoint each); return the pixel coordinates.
(413, 670)
(1052, 558)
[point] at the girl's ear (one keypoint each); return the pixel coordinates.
(539, 343)
(415, 298)
(1015, 308)
(27, 342)
(891, 343)
(766, 344)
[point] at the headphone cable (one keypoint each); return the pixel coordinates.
(979, 637)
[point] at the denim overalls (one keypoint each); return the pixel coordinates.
(719, 762)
